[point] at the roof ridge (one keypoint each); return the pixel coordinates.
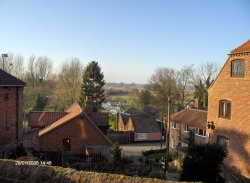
(10, 79)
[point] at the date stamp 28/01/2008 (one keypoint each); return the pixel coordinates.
(19, 163)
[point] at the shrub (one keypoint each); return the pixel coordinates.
(202, 162)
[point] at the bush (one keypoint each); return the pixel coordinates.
(146, 153)
(202, 162)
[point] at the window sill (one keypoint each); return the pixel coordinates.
(200, 136)
(224, 117)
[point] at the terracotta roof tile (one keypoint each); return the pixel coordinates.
(75, 107)
(243, 48)
(7, 79)
(74, 112)
(41, 119)
(192, 117)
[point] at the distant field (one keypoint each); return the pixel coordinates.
(121, 94)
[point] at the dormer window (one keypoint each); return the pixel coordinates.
(238, 68)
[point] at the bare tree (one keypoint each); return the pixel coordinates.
(18, 66)
(31, 71)
(184, 76)
(69, 81)
(43, 66)
(205, 72)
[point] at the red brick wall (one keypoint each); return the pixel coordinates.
(11, 98)
(237, 128)
(78, 130)
(179, 133)
(150, 137)
(119, 123)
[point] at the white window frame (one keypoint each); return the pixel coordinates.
(173, 125)
(142, 136)
(186, 128)
(172, 143)
(184, 144)
(197, 132)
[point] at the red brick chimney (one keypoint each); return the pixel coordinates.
(89, 105)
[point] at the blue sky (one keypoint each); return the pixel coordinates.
(129, 38)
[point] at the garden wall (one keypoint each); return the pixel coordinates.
(10, 172)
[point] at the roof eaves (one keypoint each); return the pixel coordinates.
(41, 133)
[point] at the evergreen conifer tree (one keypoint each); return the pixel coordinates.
(92, 84)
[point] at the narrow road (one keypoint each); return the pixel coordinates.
(135, 149)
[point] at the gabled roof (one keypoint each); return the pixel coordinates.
(191, 117)
(43, 119)
(243, 48)
(75, 112)
(145, 124)
(7, 79)
(75, 107)
(125, 118)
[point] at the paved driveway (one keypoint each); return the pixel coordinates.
(137, 148)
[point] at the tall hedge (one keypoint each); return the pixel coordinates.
(202, 162)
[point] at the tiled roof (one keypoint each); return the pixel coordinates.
(191, 117)
(73, 112)
(38, 119)
(7, 79)
(243, 48)
(125, 118)
(74, 108)
(100, 119)
(137, 112)
(145, 124)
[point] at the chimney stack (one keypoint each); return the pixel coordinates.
(89, 105)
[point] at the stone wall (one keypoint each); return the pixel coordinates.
(10, 172)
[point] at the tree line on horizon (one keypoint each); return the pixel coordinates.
(55, 91)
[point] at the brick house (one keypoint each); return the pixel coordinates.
(11, 112)
(229, 109)
(184, 121)
(72, 131)
(144, 127)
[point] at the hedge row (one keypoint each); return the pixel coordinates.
(11, 172)
(146, 153)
